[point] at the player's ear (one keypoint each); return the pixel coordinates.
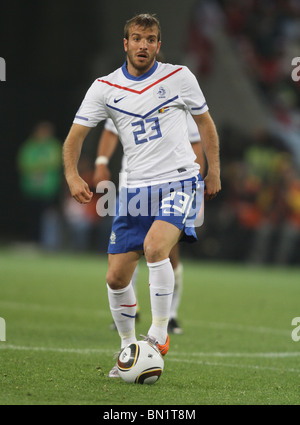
(125, 41)
(158, 47)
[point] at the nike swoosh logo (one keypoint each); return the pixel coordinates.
(161, 295)
(118, 100)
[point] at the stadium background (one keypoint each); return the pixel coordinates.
(241, 53)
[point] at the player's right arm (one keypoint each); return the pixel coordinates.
(106, 147)
(71, 153)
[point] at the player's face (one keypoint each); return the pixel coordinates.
(141, 47)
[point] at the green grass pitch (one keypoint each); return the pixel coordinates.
(236, 349)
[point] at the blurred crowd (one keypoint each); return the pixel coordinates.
(256, 218)
(266, 36)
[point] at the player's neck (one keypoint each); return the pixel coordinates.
(136, 72)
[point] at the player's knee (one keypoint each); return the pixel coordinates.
(154, 252)
(115, 280)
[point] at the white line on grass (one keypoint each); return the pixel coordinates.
(106, 313)
(236, 327)
(273, 355)
(172, 356)
(54, 309)
(57, 349)
(243, 366)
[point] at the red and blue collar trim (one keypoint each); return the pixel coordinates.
(141, 77)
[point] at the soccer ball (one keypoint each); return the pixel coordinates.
(140, 363)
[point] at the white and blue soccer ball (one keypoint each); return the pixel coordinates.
(140, 363)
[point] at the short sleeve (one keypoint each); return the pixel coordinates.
(109, 125)
(92, 109)
(191, 94)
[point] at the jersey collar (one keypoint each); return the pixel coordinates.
(141, 77)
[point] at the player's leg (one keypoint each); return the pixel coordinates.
(174, 256)
(173, 326)
(134, 285)
(158, 243)
(121, 296)
(133, 281)
(178, 208)
(125, 248)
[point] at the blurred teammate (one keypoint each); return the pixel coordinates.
(106, 147)
(40, 169)
(147, 102)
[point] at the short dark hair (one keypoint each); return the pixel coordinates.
(145, 20)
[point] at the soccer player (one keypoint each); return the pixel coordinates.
(106, 147)
(147, 102)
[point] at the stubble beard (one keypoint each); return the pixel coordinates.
(140, 67)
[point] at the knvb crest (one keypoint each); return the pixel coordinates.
(161, 92)
(113, 238)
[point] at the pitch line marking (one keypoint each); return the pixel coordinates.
(273, 355)
(237, 327)
(54, 308)
(106, 313)
(242, 366)
(170, 358)
(57, 349)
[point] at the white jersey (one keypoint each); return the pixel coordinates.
(150, 115)
(193, 134)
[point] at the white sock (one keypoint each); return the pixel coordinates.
(122, 303)
(178, 274)
(161, 281)
(134, 279)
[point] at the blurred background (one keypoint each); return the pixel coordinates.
(240, 51)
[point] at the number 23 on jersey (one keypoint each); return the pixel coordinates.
(150, 126)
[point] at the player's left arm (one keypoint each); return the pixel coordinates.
(210, 140)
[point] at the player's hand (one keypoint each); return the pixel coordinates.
(101, 173)
(212, 186)
(80, 190)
